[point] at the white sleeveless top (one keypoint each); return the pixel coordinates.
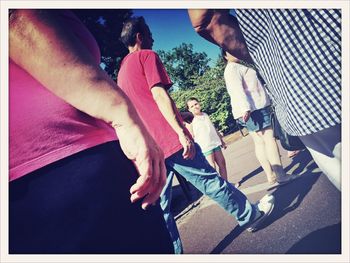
(204, 133)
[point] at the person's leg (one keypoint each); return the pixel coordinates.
(211, 159)
(81, 204)
(261, 155)
(207, 180)
(325, 148)
(272, 152)
(220, 160)
(165, 204)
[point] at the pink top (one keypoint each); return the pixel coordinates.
(43, 127)
(139, 72)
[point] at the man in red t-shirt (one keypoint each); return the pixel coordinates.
(144, 79)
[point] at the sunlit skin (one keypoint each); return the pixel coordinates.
(231, 58)
(215, 159)
(194, 107)
(165, 104)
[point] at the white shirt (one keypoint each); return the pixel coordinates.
(204, 133)
(244, 88)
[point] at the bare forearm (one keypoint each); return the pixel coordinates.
(219, 134)
(57, 59)
(167, 108)
(222, 29)
(190, 129)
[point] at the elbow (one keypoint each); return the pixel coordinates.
(200, 19)
(157, 98)
(200, 29)
(156, 95)
(159, 94)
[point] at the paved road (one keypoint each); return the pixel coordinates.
(306, 218)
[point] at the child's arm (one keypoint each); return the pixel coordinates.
(223, 144)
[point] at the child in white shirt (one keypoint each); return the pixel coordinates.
(208, 138)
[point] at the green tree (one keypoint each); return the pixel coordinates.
(106, 26)
(210, 90)
(184, 65)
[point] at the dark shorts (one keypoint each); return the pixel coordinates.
(81, 205)
(259, 120)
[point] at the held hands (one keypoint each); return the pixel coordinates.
(188, 146)
(148, 158)
(246, 116)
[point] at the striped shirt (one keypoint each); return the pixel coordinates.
(298, 54)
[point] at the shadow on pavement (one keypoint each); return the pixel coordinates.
(179, 201)
(302, 159)
(314, 243)
(227, 240)
(251, 174)
(287, 197)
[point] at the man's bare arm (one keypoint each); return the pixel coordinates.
(41, 45)
(167, 107)
(222, 29)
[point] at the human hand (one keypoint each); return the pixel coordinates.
(148, 158)
(77, 72)
(188, 146)
(246, 116)
(223, 145)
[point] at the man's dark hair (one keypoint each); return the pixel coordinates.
(131, 27)
(187, 117)
(189, 99)
(223, 54)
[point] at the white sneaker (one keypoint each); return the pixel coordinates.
(263, 208)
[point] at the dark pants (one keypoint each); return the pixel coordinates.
(81, 204)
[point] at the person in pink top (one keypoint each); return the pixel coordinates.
(74, 187)
(144, 79)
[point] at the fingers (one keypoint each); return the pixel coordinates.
(153, 196)
(141, 188)
(186, 151)
(150, 182)
(193, 150)
(145, 169)
(189, 151)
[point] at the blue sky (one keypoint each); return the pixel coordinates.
(171, 27)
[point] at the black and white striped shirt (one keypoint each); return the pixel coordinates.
(298, 54)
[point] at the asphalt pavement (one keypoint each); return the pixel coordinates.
(306, 218)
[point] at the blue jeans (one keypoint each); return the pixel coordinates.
(207, 180)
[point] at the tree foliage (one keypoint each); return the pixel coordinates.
(210, 90)
(184, 65)
(188, 70)
(106, 26)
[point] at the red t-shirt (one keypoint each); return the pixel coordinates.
(140, 71)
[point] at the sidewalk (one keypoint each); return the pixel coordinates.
(298, 223)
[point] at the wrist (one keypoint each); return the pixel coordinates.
(180, 131)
